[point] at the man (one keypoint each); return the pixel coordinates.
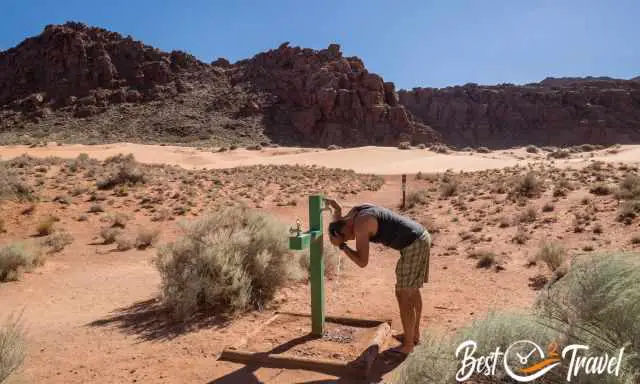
(367, 223)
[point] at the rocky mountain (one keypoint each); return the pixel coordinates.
(559, 112)
(75, 83)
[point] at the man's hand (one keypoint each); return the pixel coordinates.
(337, 210)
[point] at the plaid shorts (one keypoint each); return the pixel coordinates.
(412, 270)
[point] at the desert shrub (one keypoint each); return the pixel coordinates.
(560, 154)
(11, 187)
(128, 171)
(233, 147)
(227, 262)
(404, 145)
(440, 148)
(600, 189)
(332, 262)
(434, 361)
(548, 207)
(333, 147)
(3, 229)
(504, 222)
(486, 259)
(529, 215)
(449, 186)
(629, 188)
(521, 236)
(17, 258)
(46, 226)
(483, 150)
(422, 146)
(254, 147)
(124, 243)
(12, 347)
(528, 185)
(597, 303)
(223, 149)
(147, 237)
(552, 254)
(533, 149)
(58, 241)
(96, 208)
(110, 235)
(418, 197)
(119, 220)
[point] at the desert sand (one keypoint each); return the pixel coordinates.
(90, 311)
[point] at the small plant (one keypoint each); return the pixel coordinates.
(552, 254)
(58, 241)
(223, 149)
(548, 207)
(440, 148)
(422, 146)
(123, 243)
(521, 236)
(597, 229)
(504, 222)
(109, 235)
(18, 258)
(560, 154)
(629, 188)
(233, 147)
(528, 186)
(147, 238)
(254, 147)
(96, 208)
(418, 197)
(600, 189)
(476, 227)
(635, 240)
(629, 210)
(46, 226)
(119, 220)
(333, 147)
(533, 149)
(483, 150)
(12, 347)
(404, 145)
(529, 215)
(449, 188)
(2, 226)
(83, 217)
(486, 259)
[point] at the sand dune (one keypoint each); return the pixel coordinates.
(377, 160)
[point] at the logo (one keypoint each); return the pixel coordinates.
(525, 361)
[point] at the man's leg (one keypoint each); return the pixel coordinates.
(418, 310)
(407, 304)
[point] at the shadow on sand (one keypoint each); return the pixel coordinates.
(150, 321)
(384, 363)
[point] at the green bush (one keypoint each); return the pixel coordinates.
(597, 303)
(17, 258)
(227, 262)
(12, 347)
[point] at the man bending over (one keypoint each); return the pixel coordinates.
(368, 223)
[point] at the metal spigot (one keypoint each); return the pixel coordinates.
(298, 229)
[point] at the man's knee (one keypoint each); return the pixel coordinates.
(407, 295)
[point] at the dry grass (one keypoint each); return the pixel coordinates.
(419, 197)
(58, 241)
(124, 243)
(17, 258)
(226, 262)
(601, 189)
(486, 259)
(404, 145)
(450, 186)
(12, 347)
(46, 226)
(119, 220)
(12, 187)
(527, 186)
(532, 149)
(552, 254)
(127, 172)
(110, 235)
(529, 215)
(147, 237)
(96, 208)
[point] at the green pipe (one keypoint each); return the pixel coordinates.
(316, 265)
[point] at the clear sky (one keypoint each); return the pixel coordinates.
(413, 43)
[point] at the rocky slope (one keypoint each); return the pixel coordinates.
(74, 83)
(566, 111)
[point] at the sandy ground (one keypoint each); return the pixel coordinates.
(89, 311)
(375, 160)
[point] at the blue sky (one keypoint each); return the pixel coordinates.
(413, 43)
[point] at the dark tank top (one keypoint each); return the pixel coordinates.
(394, 231)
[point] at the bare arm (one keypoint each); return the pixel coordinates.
(336, 208)
(361, 255)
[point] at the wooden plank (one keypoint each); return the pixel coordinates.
(377, 344)
(348, 321)
(262, 359)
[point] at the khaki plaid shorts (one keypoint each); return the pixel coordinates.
(412, 270)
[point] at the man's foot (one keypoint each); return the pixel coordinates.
(400, 338)
(400, 352)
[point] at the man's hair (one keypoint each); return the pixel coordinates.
(335, 228)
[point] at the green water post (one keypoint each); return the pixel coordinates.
(316, 265)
